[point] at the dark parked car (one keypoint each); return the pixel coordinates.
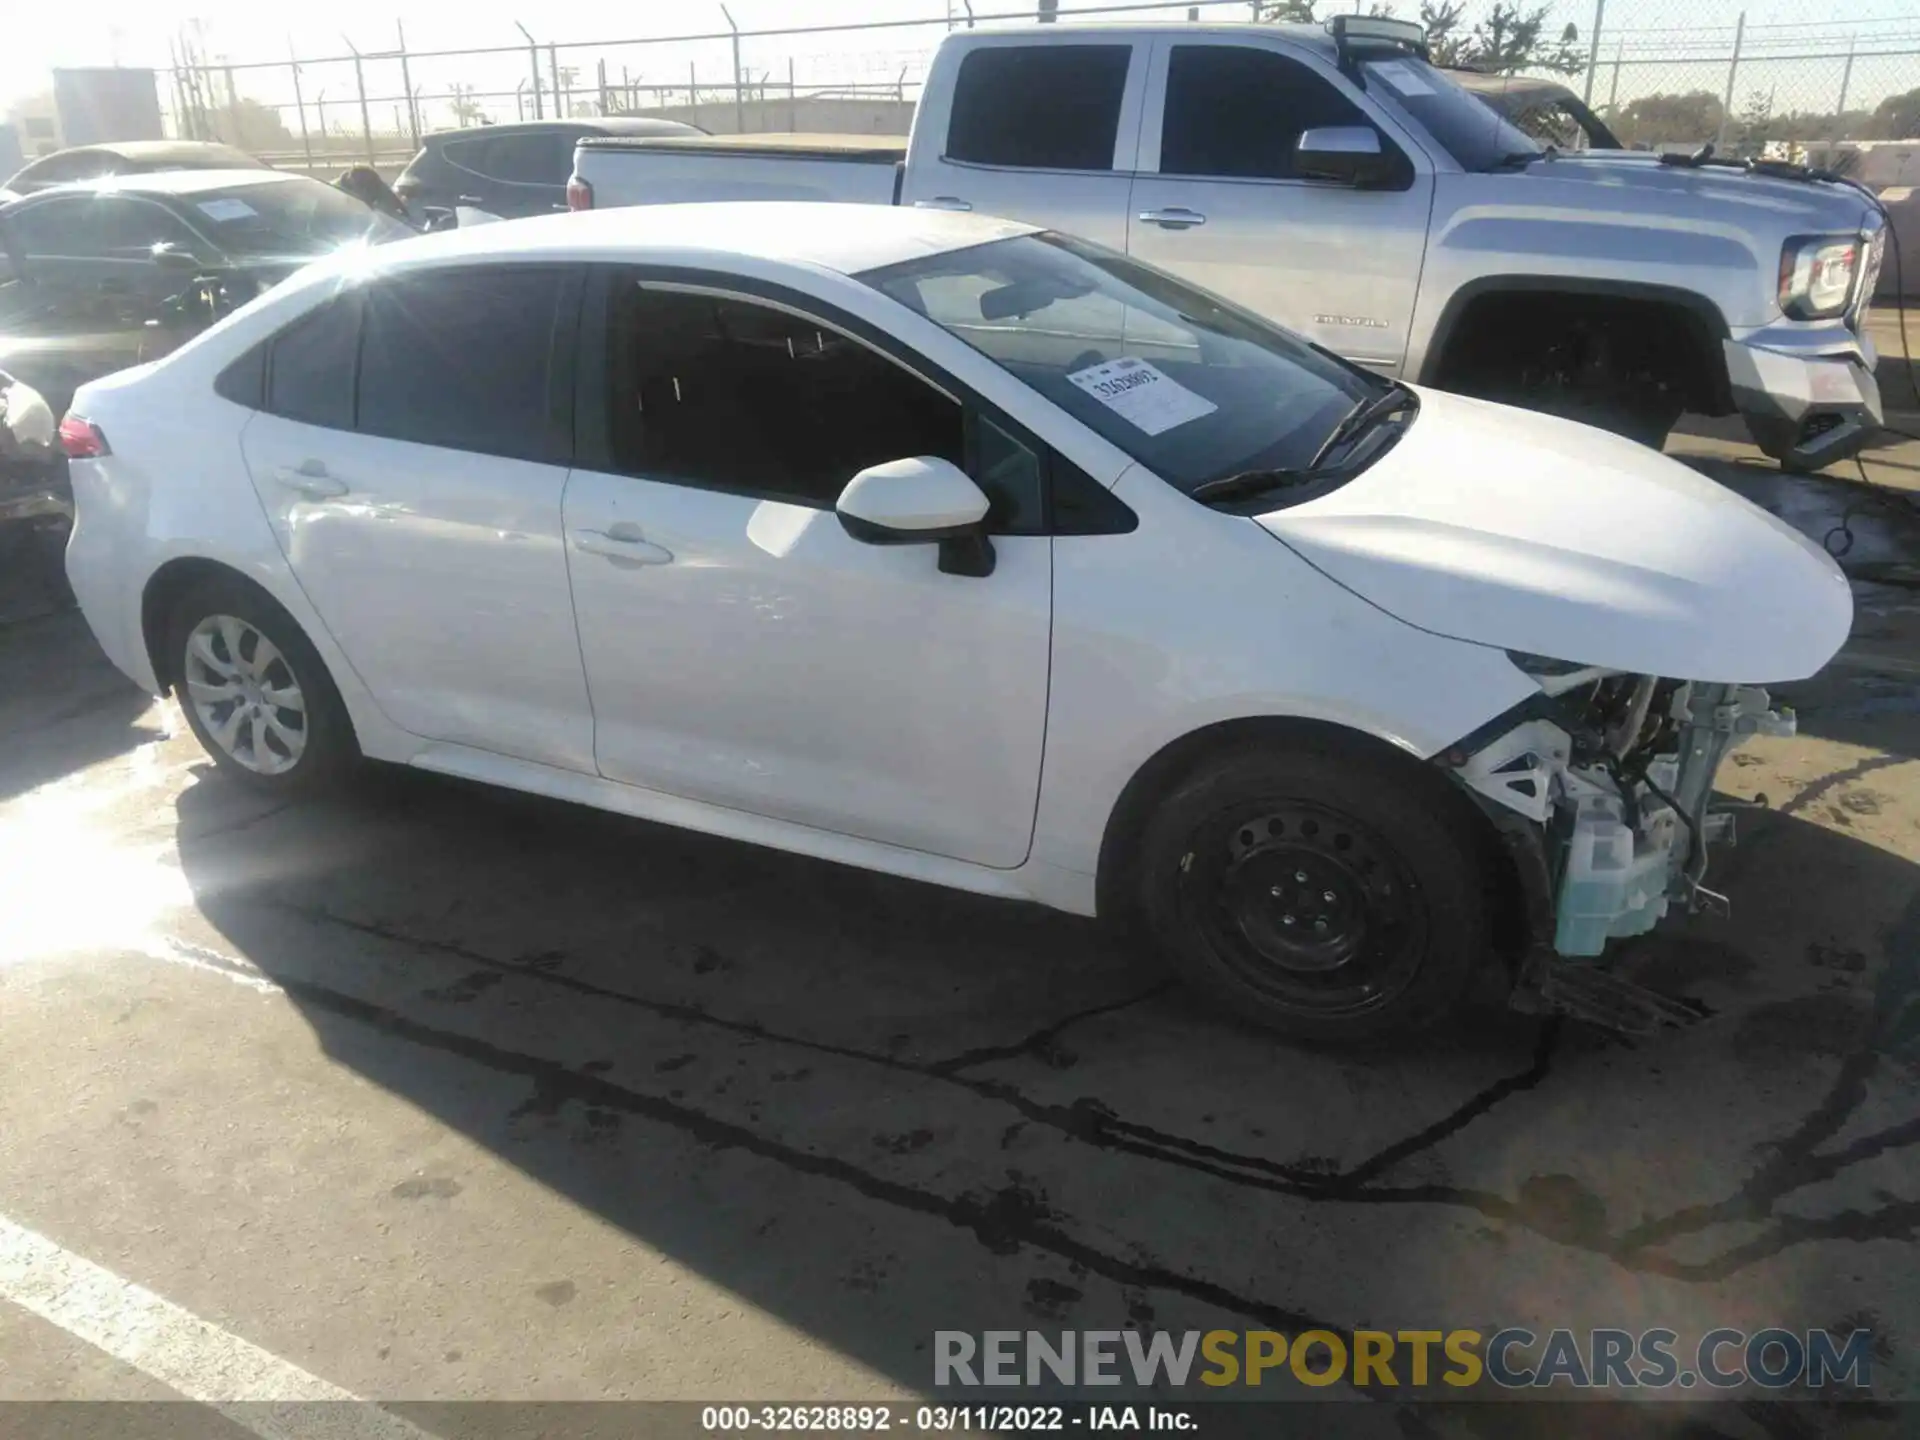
(510, 170)
(100, 276)
(1544, 109)
(127, 157)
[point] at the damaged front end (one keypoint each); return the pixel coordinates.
(1602, 787)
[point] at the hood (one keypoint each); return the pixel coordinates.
(1509, 528)
(1710, 190)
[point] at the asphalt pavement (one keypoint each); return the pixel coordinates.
(426, 1093)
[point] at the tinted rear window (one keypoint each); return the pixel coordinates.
(310, 376)
(1047, 107)
(462, 359)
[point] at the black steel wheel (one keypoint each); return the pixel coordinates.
(1330, 893)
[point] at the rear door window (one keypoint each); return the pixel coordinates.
(1044, 107)
(310, 367)
(464, 359)
(310, 371)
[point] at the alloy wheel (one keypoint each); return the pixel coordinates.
(245, 695)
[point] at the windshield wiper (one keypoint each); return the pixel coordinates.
(1364, 416)
(1249, 482)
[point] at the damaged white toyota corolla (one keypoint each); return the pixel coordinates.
(963, 551)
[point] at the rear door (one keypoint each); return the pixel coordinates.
(515, 174)
(412, 468)
(1040, 131)
(1217, 199)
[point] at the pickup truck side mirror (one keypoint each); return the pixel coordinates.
(1349, 154)
(919, 501)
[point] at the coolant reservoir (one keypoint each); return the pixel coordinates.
(1615, 882)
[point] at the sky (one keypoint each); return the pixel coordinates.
(137, 32)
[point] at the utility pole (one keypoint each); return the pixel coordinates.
(1593, 48)
(1733, 69)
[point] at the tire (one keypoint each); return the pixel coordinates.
(1645, 414)
(227, 686)
(1323, 892)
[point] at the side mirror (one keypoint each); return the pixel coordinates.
(1350, 154)
(169, 256)
(920, 501)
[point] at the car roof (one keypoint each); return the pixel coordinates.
(594, 125)
(163, 152)
(842, 238)
(170, 182)
(1314, 37)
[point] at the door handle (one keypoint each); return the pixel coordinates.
(943, 202)
(1174, 217)
(310, 478)
(622, 542)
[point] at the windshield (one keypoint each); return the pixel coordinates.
(1473, 133)
(1189, 387)
(290, 219)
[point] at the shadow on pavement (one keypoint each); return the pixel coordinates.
(876, 1109)
(62, 706)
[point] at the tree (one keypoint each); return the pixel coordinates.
(466, 111)
(1896, 118)
(1511, 39)
(1688, 119)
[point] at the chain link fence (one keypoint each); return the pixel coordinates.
(1791, 90)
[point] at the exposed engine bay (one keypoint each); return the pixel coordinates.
(1617, 772)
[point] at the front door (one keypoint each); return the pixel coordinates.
(84, 287)
(1218, 203)
(420, 508)
(742, 649)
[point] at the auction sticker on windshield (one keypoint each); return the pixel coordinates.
(1142, 396)
(227, 208)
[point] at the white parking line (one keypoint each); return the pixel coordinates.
(258, 1391)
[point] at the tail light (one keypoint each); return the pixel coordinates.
(80, 439)
(579, 194)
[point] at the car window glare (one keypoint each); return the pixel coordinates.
(1232, 392)
(295, 219)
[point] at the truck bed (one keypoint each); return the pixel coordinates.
(854, 169)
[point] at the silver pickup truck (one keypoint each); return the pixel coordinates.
(1333, 180)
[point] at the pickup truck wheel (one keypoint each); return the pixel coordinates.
(1317, 892)
(1643, 413)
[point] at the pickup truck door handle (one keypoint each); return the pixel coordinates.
(310, 478)
(943, 202)
(621, 542)
(1174, 217)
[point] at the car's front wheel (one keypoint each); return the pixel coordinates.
(254, 691)
(1326, 893)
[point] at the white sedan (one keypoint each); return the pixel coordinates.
(964, 551)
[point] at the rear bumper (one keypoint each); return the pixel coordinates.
(1809, 396)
